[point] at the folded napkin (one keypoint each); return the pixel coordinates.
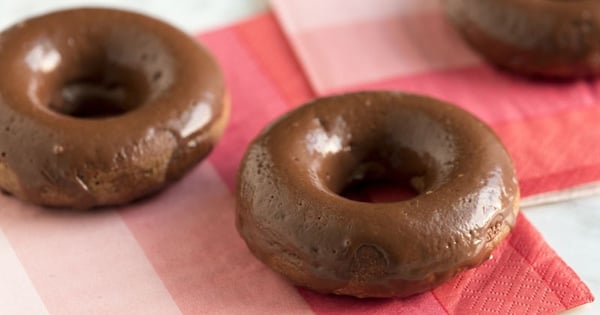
(178, 252)
(549, 127)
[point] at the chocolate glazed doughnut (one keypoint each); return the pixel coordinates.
(292, 217)
(101, 107)
(551, 38)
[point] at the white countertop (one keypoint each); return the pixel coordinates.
(569, 227)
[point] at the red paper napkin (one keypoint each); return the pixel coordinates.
(179, 253)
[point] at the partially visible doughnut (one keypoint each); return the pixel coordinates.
(547, 38)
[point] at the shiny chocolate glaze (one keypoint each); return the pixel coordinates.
(101, 107)
(551, 38)
(291, 214)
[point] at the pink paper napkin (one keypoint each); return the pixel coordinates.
(178, 252)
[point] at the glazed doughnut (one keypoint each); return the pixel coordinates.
(293, 218)
(101, 107)
(550, 38)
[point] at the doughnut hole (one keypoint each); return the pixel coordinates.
(387, 164)
(99, 75)
(111, 91)
(375, 180)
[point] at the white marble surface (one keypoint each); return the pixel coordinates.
(191, 15)
(570, 227)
